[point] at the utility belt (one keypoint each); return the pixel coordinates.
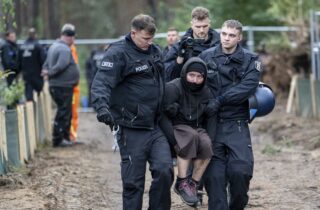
(239, 121)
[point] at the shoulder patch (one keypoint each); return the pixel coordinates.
(106, 64)
(257, 65)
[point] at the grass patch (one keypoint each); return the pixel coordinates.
(270, 150)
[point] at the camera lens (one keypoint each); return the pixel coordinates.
(190, 41)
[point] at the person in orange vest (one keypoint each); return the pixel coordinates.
(75, 100)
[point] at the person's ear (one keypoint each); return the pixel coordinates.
(240, 37)
(133, 33)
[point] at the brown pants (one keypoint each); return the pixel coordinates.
(192, 143)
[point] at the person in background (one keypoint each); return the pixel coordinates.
(75, 100)
(233, 76)
(92, 64)
(127, 92)
(196, 39)
(172, 38)
(31, 59)
(9, 56)
(63, 74)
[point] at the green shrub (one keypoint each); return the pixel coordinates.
(10, 96)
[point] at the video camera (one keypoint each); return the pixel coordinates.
(190, 42)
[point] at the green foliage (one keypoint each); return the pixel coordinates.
(4, 74)
(276, 43)
(7, 15)
(292, 11)
(11, 95)
(285, 142)
(270, 150)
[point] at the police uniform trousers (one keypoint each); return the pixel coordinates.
(137, 147)
(232, 163)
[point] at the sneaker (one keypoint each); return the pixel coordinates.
(64, 143)
(186, 192)
(199, 192)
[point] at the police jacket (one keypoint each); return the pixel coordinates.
(172, 68)
(31, 59)
(233, 79)
(192, 104)
(130, 82)
(9, 56)
(93, 63)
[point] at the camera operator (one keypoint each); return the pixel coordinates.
(196, 39)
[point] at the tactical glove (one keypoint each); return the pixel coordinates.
(104, 116)
(213, 107)
(172, 110)
(182, 47)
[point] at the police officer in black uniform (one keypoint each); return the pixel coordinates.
(9, 56)
(31, 59)
(233, 76)
(92, 65)
(128, 91)
(196, 39)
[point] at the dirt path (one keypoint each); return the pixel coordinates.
(88, 176)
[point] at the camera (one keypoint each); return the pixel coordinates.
(189, 42)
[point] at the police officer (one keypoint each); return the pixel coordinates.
(172, 38)
(9, 56)
(92, 64)
(31, 59)
(128, 91)
(196, 39)
(233, 76)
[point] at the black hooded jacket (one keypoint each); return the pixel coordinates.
(130, 82)
(172, 68)
(192, 104)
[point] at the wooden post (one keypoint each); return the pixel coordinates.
(31, 127)
(22, 134)
(47, 110)
(44, 116)
(3, 135)
(313, 96)
(293, 87)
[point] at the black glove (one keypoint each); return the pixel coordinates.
(172, 110)
(105, 116)
(182, 47)
(213, 107)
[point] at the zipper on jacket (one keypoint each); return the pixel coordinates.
(239, 125)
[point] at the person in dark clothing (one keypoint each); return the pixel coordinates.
(186, 101)
(127, 91)
(172, 38)
(9, 56)
(63, 75)
(92, 65)
(233, 76)
(196, 39)
(31, 59)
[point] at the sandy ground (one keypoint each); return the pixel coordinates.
(286, 176)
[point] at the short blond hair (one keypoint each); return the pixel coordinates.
(200, 13)
(233, 24)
